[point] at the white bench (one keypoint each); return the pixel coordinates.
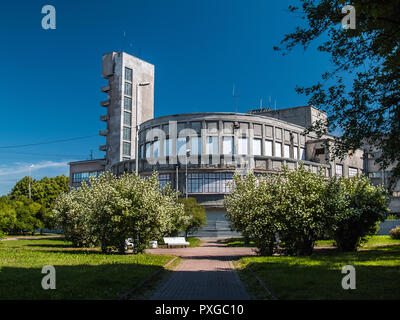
(175, 241)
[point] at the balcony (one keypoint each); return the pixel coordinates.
(103, 148)
(103, 133)
(105, 103)
(104, 118)
(105, 88)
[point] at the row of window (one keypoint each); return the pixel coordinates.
(203, 182)
(228, 148)
(229, 127)
(84, 176)
(339, 171)
(127, 120)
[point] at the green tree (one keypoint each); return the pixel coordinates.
(354, 208)
(44, 192)
(361, 91)
(116, 208)
(253, 208)
(195, 213)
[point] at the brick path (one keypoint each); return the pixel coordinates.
(205, 273)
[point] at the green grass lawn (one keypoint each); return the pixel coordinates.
(80, 273)
(319, 276)
(194, 242)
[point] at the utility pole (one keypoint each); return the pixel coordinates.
(187, 155)
(29, 187)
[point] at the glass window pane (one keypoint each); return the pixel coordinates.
(243, 146)
(147, 150)
(286, 151)
(278, 149)
(339, 170)
(227, 145)
(127, 133)
(295, 151)
(156, 149)
(181, 146)
(352, 172)
(127, 103)
(128, 74)
(128, 89)
(167, 147)
(127, 118)
(212, 145)
(257, 147)
(268, 148)
(302, 154)
(195, 147)
(126, 148)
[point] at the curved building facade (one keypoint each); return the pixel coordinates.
(198, 153)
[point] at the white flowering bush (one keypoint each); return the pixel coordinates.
(111, 209)
(354, 208)
(252, 207)
(301, 207)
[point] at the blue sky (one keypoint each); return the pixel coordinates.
(51, 79)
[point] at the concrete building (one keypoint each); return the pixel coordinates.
(198, 153)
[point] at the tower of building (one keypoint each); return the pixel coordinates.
(130, 102)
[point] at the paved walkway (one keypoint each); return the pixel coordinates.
(205, 273)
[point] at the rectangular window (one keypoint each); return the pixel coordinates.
(156, 149)
(128, 74)
(227, 145)
(167, 147)
(181, 146)
(352, 172)
(163, 179)
(142, 151)
(195, 183)
(212, 145)
(226, 182)
(302, 153)
(339, 170)
(211, 183)
(128, 89)
(278, 149)
(126, 149)
(257, 147)
(268, 148)
(127, 103)
(295, 152)
(127, 118)
(243, 146)
(195, 145)
(127, 134)
(286, 151)
(147, 150)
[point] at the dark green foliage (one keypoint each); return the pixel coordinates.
(354, 208)
(196, 215)
(361, 91)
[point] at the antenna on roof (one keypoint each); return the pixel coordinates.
(275, 105)
(235, 96)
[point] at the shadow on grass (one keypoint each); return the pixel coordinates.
(105, 281)
(319, 276)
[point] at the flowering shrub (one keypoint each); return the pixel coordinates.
(395, 233)
(111, 209)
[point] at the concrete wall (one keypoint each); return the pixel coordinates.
(84, 166)
(113, 69)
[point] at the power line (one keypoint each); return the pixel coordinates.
(43, 154)
(48, 142)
